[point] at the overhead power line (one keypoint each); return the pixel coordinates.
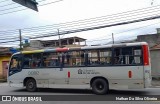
(10, 41)
(6, 5)
(3, 1)
(49, 27)
(50, 3)
(117, 33)
(71, 29)
(93, 28)
(9, 38)
(68, 27)
(92, 20)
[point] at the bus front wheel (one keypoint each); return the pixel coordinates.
(31, 85)
(100, 86)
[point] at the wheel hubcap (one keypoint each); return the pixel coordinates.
(30, 85)
(100, 86)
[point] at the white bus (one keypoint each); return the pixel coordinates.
(100, 68)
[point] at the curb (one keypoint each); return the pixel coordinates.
(155, 87)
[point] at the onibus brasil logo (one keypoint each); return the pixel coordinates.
(20, 98)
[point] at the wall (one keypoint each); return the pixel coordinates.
(3, 58)
(151, 39)
(155, 63)
(35, 44)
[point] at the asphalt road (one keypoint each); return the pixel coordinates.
(6, 90)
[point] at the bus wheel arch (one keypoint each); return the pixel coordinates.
(99, 85)
(30, 84)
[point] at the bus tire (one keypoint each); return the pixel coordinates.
(100, 86)
(31, 85)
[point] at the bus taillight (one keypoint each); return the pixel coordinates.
(145, 55)
(130, 74)
(69, 74)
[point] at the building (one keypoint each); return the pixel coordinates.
(153, 41)
(64, 42)
(155, 60)
(5, 55)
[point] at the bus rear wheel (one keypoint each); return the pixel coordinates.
(31, 85)
(100, 86)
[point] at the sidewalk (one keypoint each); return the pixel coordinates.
(156, 82)
(3, 80)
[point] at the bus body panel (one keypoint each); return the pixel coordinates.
(50, 78)
(118, 76)
(147, 76)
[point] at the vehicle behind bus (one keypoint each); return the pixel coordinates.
(100, 68)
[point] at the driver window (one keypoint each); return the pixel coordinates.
(15, 63)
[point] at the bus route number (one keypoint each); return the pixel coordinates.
(33, 73)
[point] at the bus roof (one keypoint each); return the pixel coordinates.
(115, 45)
(83, 48)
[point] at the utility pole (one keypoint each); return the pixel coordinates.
(20, 39)
(59, 38)
(112, 38)
(152, 2)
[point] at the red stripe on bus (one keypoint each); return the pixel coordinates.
(145, 55)
(130, 74)
(61, 49)
(69, 74)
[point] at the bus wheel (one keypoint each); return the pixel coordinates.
(31, 85)
(100, 86)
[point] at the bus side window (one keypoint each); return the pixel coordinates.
(27, 61)
(117, 56)
(67, 59)
(105, 57)
(32, 60)
(137, 56)
(74, 58)
(50, 59)
(16, 63)
(127, 56)
(36, 60)
(93, 57)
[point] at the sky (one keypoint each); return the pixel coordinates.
(72, 10)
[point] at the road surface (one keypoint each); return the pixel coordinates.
(72, 93)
